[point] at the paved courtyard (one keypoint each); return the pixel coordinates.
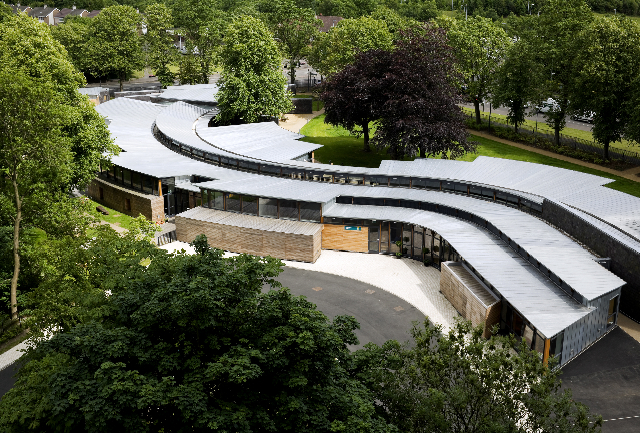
(407, 279)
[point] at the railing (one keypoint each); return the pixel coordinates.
(166, 238)
(567, 140)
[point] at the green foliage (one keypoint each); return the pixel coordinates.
(480, 46)
(394, 21)
(459, 381)
(419, 10)
(189, 343)
(114, 43)
(607, 66)
(294, 29)
(159, 48)
(73, 34)
(338, 47)
(251, 85)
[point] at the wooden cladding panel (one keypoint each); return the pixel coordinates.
(335, 237)
(464, 301)
(287, 246)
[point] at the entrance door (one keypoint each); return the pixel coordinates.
(384, 237)
(374, 239)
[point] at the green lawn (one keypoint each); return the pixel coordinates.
(113, 217)
(343, 149)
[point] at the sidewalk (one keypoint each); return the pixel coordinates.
(295, 122)
(631, 174)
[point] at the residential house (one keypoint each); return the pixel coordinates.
(328, 22)
(73, 12)
(45, 14)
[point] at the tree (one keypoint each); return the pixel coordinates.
(73, 34)
(202, 23)
(479, 47)
(419, 10)
(114, 45)
(293, 28)
(251, 84)
(606, 68)
(354, 96)
(51, 138)
(420, 115)
(337, 48)
(159, 47)
(394, 21)
(191, 343)
(553, 42)
(461, 382)
(517, 82)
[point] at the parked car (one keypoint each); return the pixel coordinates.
(547, 106)
(584, 117)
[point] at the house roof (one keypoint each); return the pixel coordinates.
(93, 13)
(328, 21)
(72, 12)
(42, 11)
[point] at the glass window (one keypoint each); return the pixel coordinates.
(127, 177)
(613, 310)
(136, 180)
(406, 240)
(518, 323)
(555, 347)
(417, 242)
(376, 180)
(392, 202)
(147, 186)
(206, 201)
(344, 199)
(368, 201)
(288, 210)
(539, 344)
(110, 171)
(249, 205)
(118, 174)
(403, 182)
(268, 207)
(384, 237)
(217, 200)
(233, 202)
(461, 187)
(329, 220)
(475, 190)
(327, 177)
(310, 211)
(355, 180)
(528, 336)
(270, 170)
(341, 178)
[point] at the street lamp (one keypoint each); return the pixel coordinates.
(529, 7)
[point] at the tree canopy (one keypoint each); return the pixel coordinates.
(51, 138)
(338, 47)
(420, 115)
(192, 343)
(251, 84)
(114, 44)
(607, 66)
(458, 381)
(158, 43)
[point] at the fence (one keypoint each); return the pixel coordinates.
(166, 238)
(569, 141)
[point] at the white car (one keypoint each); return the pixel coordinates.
(548, 105)
(587, 117)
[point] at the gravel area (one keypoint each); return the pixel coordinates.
(407, 279)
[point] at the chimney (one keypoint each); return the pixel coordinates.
(45, 6)
(73, 8)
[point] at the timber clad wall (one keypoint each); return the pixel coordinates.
(469, 296)
(115, 197)
(335, 237)
(288, 240)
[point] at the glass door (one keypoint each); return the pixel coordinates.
(384, 237)
(374, 238)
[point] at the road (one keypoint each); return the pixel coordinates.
(539, 117)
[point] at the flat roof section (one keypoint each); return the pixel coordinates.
(200, 93)
(252, 222)
(543, 303)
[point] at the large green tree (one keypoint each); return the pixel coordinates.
(552, 42)
(51, 138)
(458, 381)
(293, 28)
(337, 48)
(192, 343)
(420, 115)
(607, 65)
(251, 85)
(480, 47)
(73, 35)
(159, 48)
(114, 44)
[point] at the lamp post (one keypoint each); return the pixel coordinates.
(529, 7)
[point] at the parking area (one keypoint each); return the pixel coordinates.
(606, 378)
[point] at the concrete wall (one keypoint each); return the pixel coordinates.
(115, 197)
(335, 237)
(625, 262)
(286, 246)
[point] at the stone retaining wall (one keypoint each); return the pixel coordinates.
(126, 201)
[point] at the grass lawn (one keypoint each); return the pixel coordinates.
(570, 132)
(114, 217)
(343, 149)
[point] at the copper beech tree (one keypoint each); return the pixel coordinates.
(410, 92)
